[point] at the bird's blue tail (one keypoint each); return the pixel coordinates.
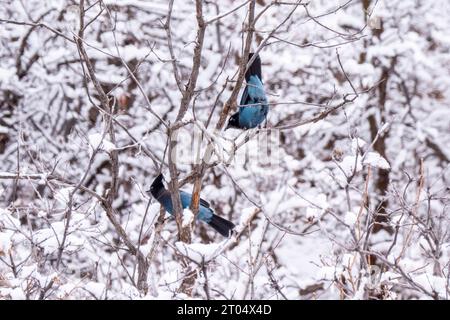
(221, 225)
(254, 69)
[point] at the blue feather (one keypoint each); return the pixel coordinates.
(205, 214)
(254, 105)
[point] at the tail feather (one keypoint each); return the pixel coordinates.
(254, 69)
(221, 225)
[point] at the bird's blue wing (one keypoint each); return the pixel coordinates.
(253, 95)
(186, 199)
(256, 89)
(254, 106)
(245, 97)
(205, 212)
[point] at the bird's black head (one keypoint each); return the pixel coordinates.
(157, 186)
(233, 122)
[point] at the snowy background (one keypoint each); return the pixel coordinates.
(343, 195)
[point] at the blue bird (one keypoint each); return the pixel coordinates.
(254, 106)
(205, 213)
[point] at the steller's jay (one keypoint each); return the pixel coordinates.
(254, 106)
(205, 213)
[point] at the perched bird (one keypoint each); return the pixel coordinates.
(205, 213)
(254, 106)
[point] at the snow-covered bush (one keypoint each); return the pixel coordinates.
(343, 194)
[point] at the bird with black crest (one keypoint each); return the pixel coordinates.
(254, 105)
(205, 213)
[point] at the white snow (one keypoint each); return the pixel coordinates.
(432, 283)
(5, 242)
(348, 165)
(188, 217)
(6, 75)
(97, 289)
(96, 140)
(49, 125)
(245, 216)
(63, 195)
(357, 143)
(199, 252)
(374, 159)
(312, 213)
(350, 218)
